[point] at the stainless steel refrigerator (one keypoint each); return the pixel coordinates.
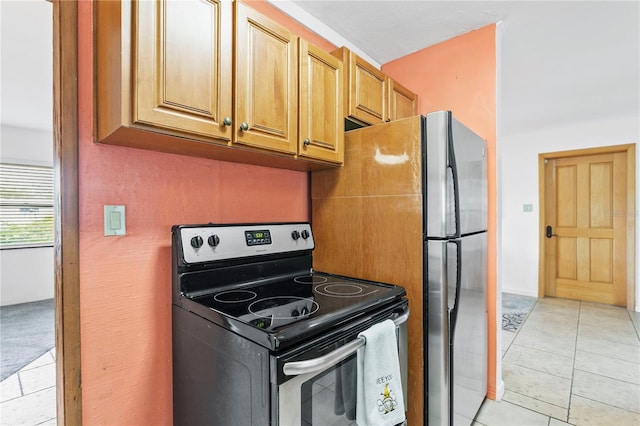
(409, 207)
(455, 247)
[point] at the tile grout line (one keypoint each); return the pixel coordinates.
(575, 354)
(630, 313)
(545, 351)
(20, 384)
(609, 405)
(533, 409)
(517, 332)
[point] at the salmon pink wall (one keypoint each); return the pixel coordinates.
(125, 282)
(460, 75)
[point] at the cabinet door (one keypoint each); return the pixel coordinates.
(266, 72)
(402, 103)
(182, 61)
(321, 124)
(365, 88)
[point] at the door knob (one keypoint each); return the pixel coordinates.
(307, 142)
(227, 121)
(244, 126)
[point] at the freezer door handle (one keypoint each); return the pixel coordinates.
(453, 314)
(454, 174)
(550, 232)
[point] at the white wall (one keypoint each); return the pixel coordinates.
(26, 275)
(518, 163)
(26, 146)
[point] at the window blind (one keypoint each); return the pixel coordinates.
(26, 205)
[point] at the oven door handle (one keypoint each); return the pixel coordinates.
(320, 363)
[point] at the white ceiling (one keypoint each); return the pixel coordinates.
(560, 60)
(26, 55)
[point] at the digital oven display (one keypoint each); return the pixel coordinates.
(257, 238)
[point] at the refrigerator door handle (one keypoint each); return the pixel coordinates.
(454, 173)
(453, 314)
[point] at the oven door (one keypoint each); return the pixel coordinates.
(322, 390)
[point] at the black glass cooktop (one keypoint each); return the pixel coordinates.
(277, 304)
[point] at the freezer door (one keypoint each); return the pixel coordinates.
(437, 349)
(457, 329)
(456, 178)
(469, 328)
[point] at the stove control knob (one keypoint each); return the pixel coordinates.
(295, 313)
(196, 242)
(295, 235)
(304, 310)
(213, 240)
(305, 234)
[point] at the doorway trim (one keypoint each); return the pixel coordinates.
(66, 235)
(630, 150)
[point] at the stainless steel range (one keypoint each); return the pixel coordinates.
(259, 337)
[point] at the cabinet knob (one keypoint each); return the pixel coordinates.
(227, 121)
(306, 142)
(244, 126)
(388, 120)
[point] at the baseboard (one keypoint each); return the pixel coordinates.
(520, 292)
(500, 390)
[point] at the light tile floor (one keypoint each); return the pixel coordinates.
(569, 363)
(28, 397)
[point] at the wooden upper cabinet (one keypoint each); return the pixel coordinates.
(365, 88)
(211, 78)
(173, 69)
(371, 97)
(266, 71)
(321, 123)
(402, 103)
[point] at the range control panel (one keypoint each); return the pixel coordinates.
(207, 243)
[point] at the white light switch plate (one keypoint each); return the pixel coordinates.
(114, 221)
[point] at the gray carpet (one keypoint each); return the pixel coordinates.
(515, 309)
(27, 331)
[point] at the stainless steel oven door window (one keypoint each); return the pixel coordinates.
(324, 391)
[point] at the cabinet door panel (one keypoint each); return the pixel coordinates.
(183, 65)
(368, 92)
(321, 122)
(402, 102)
(266, 82)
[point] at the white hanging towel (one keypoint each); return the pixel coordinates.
(379, 387)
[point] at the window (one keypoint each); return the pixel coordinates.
(26, 205)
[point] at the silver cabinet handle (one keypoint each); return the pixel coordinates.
(227, 121)
(244, 126)
(306, 142)
(296, 368)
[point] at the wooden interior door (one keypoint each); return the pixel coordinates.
(585, 248)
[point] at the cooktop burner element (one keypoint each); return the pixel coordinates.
(310, 279)
(235, 296)
(343, 289)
